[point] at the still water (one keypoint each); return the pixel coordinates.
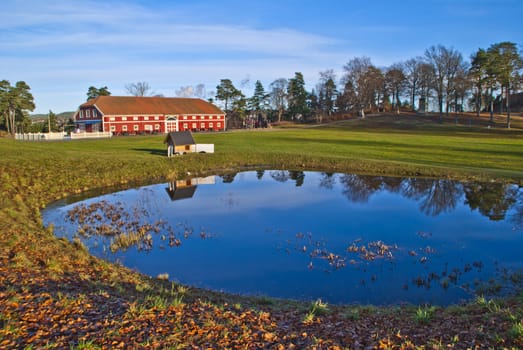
(308, 235)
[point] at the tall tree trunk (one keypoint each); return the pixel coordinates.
(440, 105)
(491, 107)
(508, 107)
(456, 109)
(478, 101)
(398, 102)
(413, 97)
(11, 118)
(501, 101)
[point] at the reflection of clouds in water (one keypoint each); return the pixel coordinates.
(229, 200)
(281, 197)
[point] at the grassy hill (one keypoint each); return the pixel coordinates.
(54, 294)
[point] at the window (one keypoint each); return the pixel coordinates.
(156, 118)
(113, 128)
(156, 126)
(184, 117)
(193, 117)
(145, 118)
(219, 125)
(185, 125)
(88, 113)
(135, 118)
(135, 127)
(124, 118)
(210, 125)
(124, 128)
(112, 119)
(202, 125)
(194, 125)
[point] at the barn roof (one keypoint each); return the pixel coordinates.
(181, 192)
(129, 105)
(180, 138)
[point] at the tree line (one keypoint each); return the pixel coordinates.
(441, 78)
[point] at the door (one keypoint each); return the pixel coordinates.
(171, 124)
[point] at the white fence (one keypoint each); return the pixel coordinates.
(90, 135)
(58, 136)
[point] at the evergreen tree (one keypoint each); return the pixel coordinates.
(15, 102)
(232, 97)
(506, 65)
(297, 97)
(94, 92)
(258, 101)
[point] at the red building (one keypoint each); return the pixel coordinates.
(146, 115)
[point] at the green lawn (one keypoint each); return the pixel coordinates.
(89, 295)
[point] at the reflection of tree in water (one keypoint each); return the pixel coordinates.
(228, 178)
(285, 175)
(517, 217)
(298, 176)
(491, 199)
(358, 188)
(435, 196)
(259, 174)
(328, 180)
(280, 175)
(393, 184)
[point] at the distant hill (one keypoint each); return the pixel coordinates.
(60, 116)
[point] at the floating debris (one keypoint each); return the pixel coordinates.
(125, 228)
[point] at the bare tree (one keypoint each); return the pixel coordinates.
(185, 91)
(426, 85)
(327, 93)
(446, 63)
(363, 85)
(412, 70)
(278, 95)
(395, 82)
(138, 89)
(462, 87)
(199, 91)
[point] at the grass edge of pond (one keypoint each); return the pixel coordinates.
(30, 252)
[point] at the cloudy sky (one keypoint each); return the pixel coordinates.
(60, 47)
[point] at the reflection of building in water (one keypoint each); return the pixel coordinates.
(181, 189)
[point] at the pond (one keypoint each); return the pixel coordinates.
(340, 238)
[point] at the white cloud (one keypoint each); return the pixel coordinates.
(77, 44)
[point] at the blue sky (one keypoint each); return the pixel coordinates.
(60, 47)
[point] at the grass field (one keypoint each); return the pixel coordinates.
(54, 294)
